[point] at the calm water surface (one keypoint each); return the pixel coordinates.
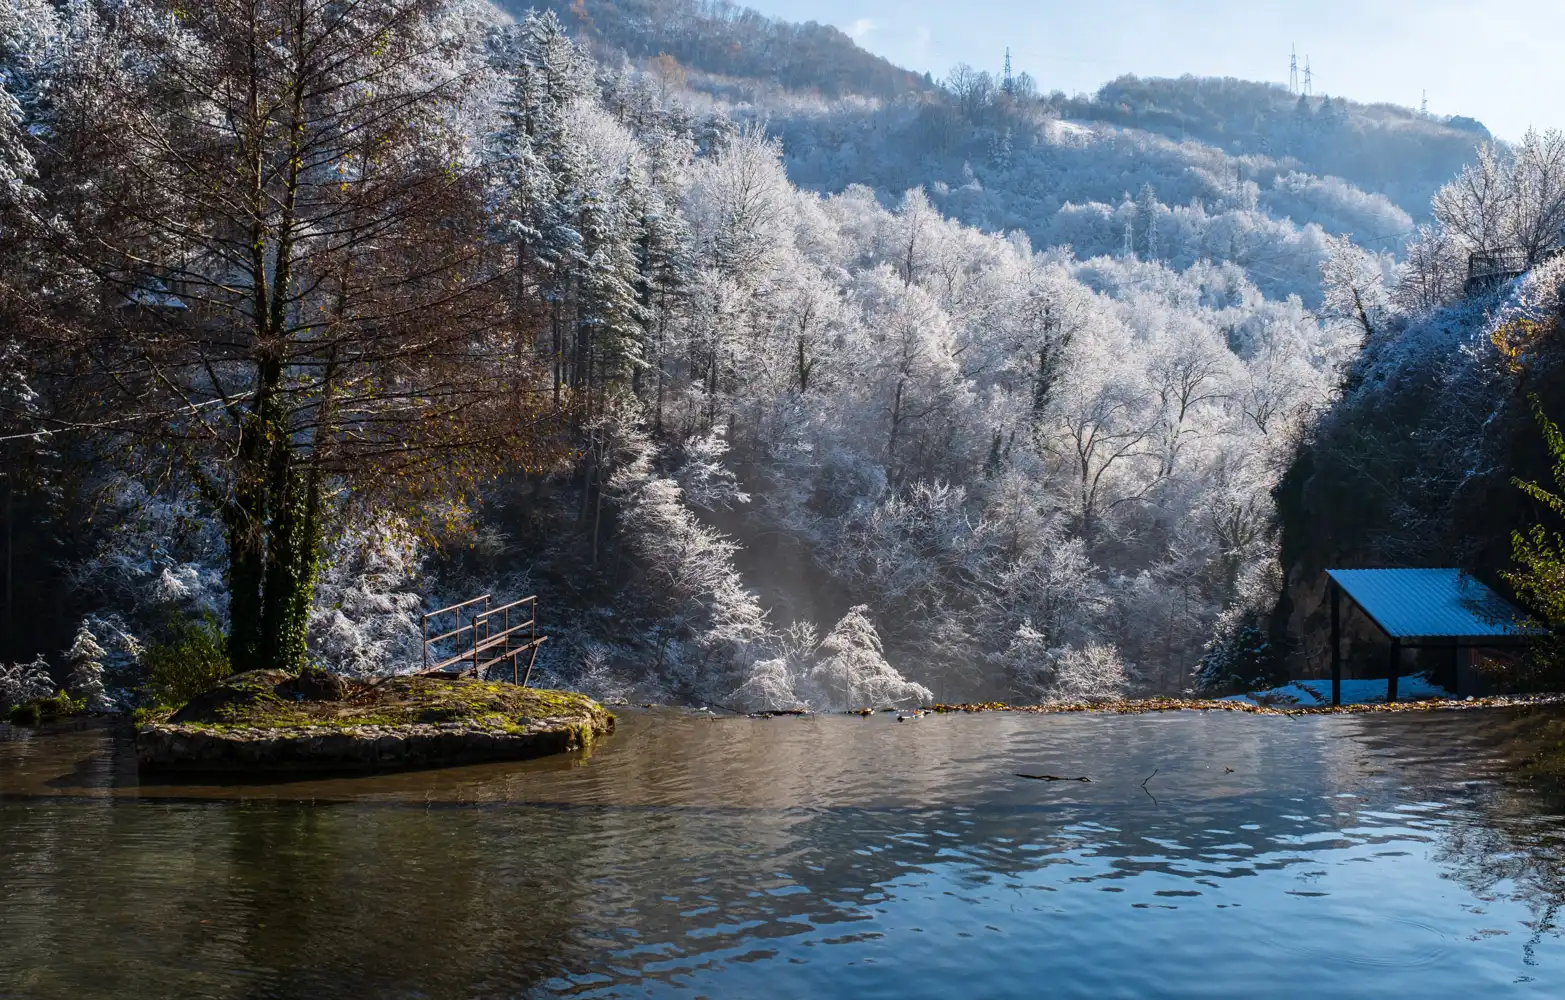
(1384, 856)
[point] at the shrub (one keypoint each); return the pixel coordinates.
(1539, 579)
(22, 684)
(1239, 658)
(191, 662)
(55, 706)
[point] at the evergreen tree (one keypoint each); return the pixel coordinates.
(85, 682)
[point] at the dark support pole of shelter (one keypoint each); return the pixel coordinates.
(1336, 643)
(1396, 668)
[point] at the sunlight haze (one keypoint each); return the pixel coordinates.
(1497, 63)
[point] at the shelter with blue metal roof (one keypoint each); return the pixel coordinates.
(1422, 607)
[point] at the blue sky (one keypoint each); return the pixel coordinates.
(1500, 62)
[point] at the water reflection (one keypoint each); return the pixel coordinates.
(1209, 855)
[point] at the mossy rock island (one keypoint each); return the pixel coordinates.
(269, 721)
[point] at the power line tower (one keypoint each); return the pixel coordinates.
(1424, 108)
(1010, 83)
(1293, 71)
(1309, 79)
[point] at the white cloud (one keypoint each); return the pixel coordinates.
(861, 28)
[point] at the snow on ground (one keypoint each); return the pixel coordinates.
(1354, 692)
(1061, 130)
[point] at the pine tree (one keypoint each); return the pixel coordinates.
(27, 28)
(85, 682)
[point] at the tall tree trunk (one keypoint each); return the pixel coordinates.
(558, 338)
(293, 557)
(10, 561)
(244, 518)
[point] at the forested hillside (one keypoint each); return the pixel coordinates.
(1391, 150)
(483, 314)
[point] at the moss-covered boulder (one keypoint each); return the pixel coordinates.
(272, 721)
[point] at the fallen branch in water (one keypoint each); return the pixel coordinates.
(1048, 777)
(1155, 803)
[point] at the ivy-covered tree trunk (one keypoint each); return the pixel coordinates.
(274, 541)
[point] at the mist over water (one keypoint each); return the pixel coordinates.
(814, 857)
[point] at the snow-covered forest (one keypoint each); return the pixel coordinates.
(318, 318)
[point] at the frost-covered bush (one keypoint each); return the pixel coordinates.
(85, 682)
(597, 677)
(1028, 663)
(845, 670)
(1041, 672)
(366, 620)
(769, 688)
(1089, 673)
(24, 683)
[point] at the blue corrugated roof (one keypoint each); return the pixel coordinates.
(1430, 603)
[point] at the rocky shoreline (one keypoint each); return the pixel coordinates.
(1137, 706)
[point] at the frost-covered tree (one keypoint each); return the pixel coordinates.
(1509, 204)
(850, 670)
(85, 660)
(1432, 272)
(28, 29)
(1353, 287)
(1475, 207)
(710, 617)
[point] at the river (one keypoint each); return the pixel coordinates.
(1220, 855)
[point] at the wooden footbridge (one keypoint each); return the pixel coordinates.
(483, 638)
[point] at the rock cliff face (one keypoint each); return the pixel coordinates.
(1310, 629)
(268, 721)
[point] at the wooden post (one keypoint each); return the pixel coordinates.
(530, 661)
(1336, 643)
(1396, 668)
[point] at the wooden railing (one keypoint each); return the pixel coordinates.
(1489, 269)
(488, 638)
